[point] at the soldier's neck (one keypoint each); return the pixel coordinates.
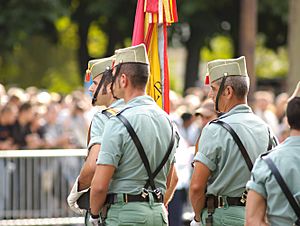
(133, 93)
(295, 132)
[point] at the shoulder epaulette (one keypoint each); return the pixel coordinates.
(109, 112)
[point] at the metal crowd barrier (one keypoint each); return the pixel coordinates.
(34, 185)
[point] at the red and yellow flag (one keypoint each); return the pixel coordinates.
(150, 27)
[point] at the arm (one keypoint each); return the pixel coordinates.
(99, 187)
(197, 188)
(255, 209)
(171, 185)
(84, 179)
(88, 168)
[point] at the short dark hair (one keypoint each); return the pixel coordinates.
(137, 73)
(240, 85)
(108, 79)
(25, 107)
(293, 113)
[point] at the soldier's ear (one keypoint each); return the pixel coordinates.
(124, 80)
(108, 88)
(228, 92)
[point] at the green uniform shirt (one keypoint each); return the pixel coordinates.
(219, 152)
(286, 157)
(153, 128)
(99, 121)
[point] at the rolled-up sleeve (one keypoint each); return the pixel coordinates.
(259, 175)
(207, 149)
(96, 131)
(112, 142)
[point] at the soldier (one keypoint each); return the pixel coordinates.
(265, 193)
(132, 176)
(224, 159)
(100, 71)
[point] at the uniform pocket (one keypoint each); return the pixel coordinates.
(132, 219)
(233, 221)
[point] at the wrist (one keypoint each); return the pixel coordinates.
(94, 216)
(197, 219)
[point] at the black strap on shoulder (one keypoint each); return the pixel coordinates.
(109, 112)
(237, 141)
(165, 159)
(272, 141)
(142, 153)
(283, 186)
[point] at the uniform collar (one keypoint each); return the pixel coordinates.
(117, 103)
(292, 139)
(241, 108)
(140, 100)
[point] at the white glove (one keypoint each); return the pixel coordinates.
(95, 221)
(195, 223)
(74, 196)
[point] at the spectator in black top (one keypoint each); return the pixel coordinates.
(21, 128)
(7, 119)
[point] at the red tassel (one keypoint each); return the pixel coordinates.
(87, 76)
(206, 82)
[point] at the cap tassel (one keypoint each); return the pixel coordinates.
(206, 82)
(87, 76)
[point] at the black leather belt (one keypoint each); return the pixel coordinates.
(220, 201)
(113, 198)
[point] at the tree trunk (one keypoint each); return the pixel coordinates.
(248, 15)
(294, 44)
(83, 54)
(192, 61)
(114, 37)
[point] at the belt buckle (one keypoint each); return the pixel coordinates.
(220, 202)
(125, 198)
(157, 192)
(145, 193)
(244, 197)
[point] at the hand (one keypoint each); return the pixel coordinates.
(95, 221)
(195, 223)
(75, 208)
(73, 197)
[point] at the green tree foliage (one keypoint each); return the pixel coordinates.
(201, 20)
(21, 19)
(272, 22)
(270, 63)
(48, 42)
(111, 17)
(39, 63)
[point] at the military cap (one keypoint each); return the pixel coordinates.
(216, 69)
(133, 54)
(98, 66)
(296, 92)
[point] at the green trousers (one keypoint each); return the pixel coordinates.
(137, 214)
(227, 216)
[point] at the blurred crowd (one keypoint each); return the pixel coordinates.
(37, 119)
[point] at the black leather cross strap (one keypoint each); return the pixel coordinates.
(283, 187)
(142, 153)
(106, 74)
(221, 88)
(272, 141)
(237, 141)
(113, 198)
